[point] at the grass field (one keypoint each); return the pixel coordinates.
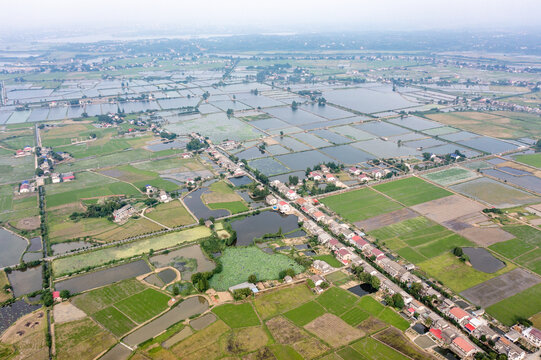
(120, 307)
(529, 159)
(144, 305)
(171, 214)
(329, 259)
(395, 339)
(525, 249)
(360, 204)
(237, 316)
(355, 316)
(455, 274)
(115, 321)
(412, 191)
(336, 300)
(337, 278)
(450, 176)
(419, 239)
(276, 302)
(115, 188)
(241, 262)
(305, 313)
(372, 349)
(522, 305)
(139, 177)
(105, 255)
(233, 207)
(96, 300)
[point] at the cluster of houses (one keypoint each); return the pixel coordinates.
(225, 163)
(324, 174)
(364, 177)
(160, 195)
(26, 151)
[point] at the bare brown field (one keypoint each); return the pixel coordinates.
(29, 223)
(244, 340)
(66, 312)
(448, 208)
(284, 332)
(334, 330)
(386, 219)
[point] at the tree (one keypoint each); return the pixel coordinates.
(47, 298)
(252, 278)
(398, 301)
(176, 290)
(416, 288)
(65, 294)
(426, 156)
(294, 105)
(375, 283)
(229, 112)
(458, 252)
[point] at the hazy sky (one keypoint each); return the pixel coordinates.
(211, 16)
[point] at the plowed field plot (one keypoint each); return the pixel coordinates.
(386, 219)
(333, 330)
(499, 288)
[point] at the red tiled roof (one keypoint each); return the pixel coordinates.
(318, 214)
(377, 252)
(436, 333)
(343, 252)
(458, 313)
(463, 344)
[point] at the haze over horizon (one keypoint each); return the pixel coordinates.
(243, 16)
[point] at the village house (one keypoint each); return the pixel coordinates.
(185, 155)
(68, 177)
(55, 178)
(462, 347)
(363, 178)
(123, 213)
(291, 194)
(321, 267)
(392, 268)
(24, 187)
(315, 175)
(164, 196)
(513, 352)
(330, 178)
(244, 285)
(376, 174)
(377, 253)
(334, 244)
(318, 216)
(344, 255)
(284, 207)
(271, 200)
(354, 171)
(317, 280)
(150, 189)
(459, 315)
(533, 336)
(324, 238)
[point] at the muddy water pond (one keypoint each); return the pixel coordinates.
(10, 313)
(195, 204)
(35, 244)
(103, 277)
(118, 352)
(25, 282)
(240, 181)
(482, 260)
(12, 247)
(189, 307)
(66, 247)
(187, 260)
(167, 276)
(258, 225)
